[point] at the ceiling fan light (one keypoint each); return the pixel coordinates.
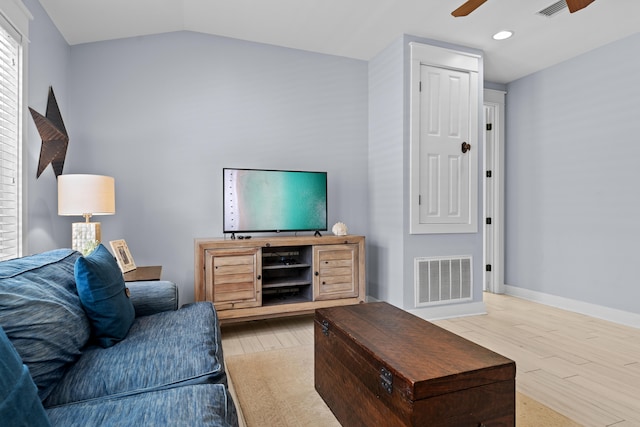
(502, 35)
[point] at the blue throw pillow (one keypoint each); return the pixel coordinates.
(104, 296)
(19, 401)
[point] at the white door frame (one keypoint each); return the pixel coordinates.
(493, 234)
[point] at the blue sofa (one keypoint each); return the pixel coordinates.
(79, 348)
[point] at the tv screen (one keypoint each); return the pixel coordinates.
(274, 200)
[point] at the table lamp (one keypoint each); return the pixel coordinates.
(86, 195)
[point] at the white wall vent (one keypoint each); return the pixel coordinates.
(554, 9)
(441, 280)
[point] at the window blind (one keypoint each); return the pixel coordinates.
(10, 167)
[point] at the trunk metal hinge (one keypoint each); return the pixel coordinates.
(386, 380)
(325, 327)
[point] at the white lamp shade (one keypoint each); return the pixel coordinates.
(86, 195)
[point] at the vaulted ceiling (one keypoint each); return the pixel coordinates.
(362, 28)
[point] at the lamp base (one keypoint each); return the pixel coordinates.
(85, 236)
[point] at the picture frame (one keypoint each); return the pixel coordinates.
(123, 256)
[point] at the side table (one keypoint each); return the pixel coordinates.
(143, 273)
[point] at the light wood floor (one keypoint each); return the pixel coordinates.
(582, 367)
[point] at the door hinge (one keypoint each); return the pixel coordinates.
(487, 267)
(419, 200)
(488, 221)
(489, 174)
(420, 87)
(489, 126)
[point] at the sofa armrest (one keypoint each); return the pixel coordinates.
(153, 296)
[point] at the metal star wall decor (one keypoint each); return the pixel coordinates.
(55, 139)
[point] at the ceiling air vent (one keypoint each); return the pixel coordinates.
(554, 9)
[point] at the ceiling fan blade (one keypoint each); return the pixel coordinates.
(469, 6)
(576, 5)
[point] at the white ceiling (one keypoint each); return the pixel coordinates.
(362, 28)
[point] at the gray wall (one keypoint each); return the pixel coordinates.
(572, 199)
(386, 174)
(164, 114)
(48, 65)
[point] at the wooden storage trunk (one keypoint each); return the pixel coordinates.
(377, 365)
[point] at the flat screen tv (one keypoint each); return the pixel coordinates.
(258, 200)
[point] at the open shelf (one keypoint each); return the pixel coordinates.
(283, 266)
(287, 268)
(284, 284)
(285, 294)
(284, 300)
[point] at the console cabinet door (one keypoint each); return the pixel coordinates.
(233, 277)
(335, 271)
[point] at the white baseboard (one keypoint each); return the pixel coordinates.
(448, 311)
(438, 312)
(593, 310)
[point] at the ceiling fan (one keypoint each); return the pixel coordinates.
(471, 5)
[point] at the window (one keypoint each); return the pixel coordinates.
(10, 142)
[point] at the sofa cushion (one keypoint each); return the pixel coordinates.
(104, 296)
(20, 404)
(162, 350)
(41, 314)
(190, 406)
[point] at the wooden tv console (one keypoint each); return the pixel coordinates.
(258, 278)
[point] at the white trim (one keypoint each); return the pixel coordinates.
(444, 311)
(450, 311)
(449, 58)
(18, 16)
(598, 311)
(495, 99)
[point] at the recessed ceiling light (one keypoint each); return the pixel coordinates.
(502, 35)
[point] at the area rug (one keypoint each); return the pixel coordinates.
(275, 389)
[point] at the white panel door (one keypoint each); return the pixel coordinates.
(444, 98)
(444, 127)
